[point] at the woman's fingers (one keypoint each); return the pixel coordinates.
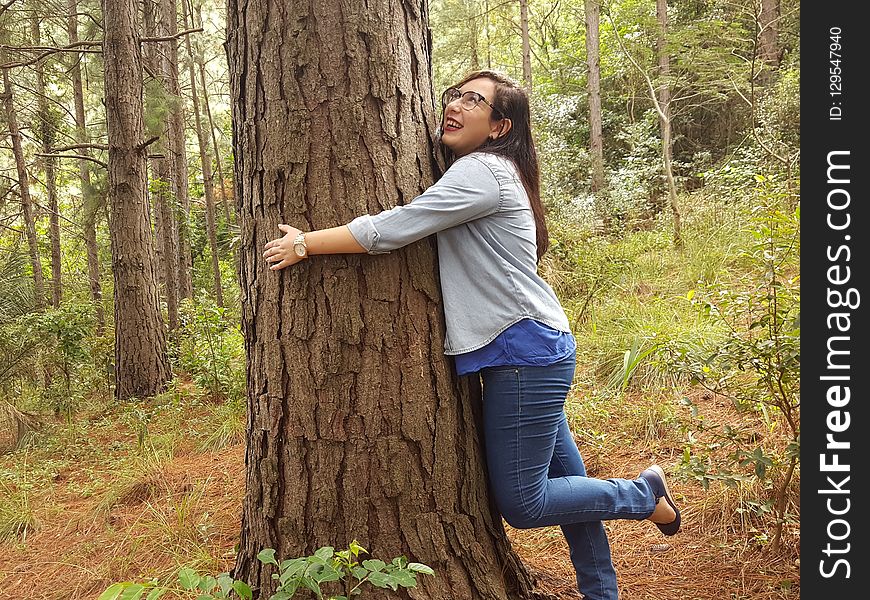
(281, 265)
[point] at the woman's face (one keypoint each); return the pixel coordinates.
(465, 130)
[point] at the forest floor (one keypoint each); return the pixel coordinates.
(127, 495)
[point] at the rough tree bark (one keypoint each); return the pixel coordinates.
(141, 365)
(47, 134)
(357, 427)
(205, 161)
(593, 62)
(90, 203)
(23, 188)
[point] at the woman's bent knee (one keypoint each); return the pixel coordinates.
(520, 516)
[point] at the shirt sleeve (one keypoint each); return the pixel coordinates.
(467, 191)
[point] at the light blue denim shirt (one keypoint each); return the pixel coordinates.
(486, 249)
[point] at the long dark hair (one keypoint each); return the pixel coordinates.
(512, 102)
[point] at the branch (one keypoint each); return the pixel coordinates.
(48, 51)
(80, 147)
(169, 38)
(652, 90)
(147, 142)
(5, 7)
(76, 156)
(78, 47)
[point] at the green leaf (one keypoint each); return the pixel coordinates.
(405, 578)
(382, 580)
(359, 572)
(420, 568)
(187, 578)
(327, 574)
(267, 557)
(207, 583)
(374, 565)
(113, 591)
(325, 553)
(242, 589)
(356, 548)
(311, 585)
(132, 592)
(225, 582)
(156, 593)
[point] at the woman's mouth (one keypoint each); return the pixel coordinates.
(452, 125)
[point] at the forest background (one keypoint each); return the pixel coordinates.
(668, 134)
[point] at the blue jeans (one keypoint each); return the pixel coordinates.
(537, 476)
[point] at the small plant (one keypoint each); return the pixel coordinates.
(205, 587)
(326, 565)
(307, 572)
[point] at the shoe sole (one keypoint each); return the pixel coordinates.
(674, 526)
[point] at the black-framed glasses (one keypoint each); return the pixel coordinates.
(468, 100)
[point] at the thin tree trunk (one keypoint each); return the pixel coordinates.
(166, 226)
(664, 101)
(90, 202)
(207, 176)
(470, 9)
(141, 365)
(593, 62)
(214, 142)
(486, 34)
(47, 135)
(23, 190)
(168, 26)
(527, 48)
(357, 428)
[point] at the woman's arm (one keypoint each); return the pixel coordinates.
(335, 240)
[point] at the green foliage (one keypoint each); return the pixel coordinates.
(326, 565)
(210, 349)
(51, 346)
(311, 573)
(756, 362)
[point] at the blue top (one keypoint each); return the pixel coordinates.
(525, 343)
(487, 253)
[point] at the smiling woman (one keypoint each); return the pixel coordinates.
(505, 324)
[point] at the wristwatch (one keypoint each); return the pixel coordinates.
(299, 246)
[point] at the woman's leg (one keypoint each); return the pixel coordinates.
(523, 409)
(587, 542)
(523, 420)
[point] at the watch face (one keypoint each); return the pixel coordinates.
(300, 250)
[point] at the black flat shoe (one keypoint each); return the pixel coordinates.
(656, 478)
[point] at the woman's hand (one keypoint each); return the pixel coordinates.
(279, 252)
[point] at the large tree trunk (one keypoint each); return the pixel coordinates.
(141, 365)
(23, 188)
(207, 176)
(664, 102)
(593, 62)
(90, 202)
(769, 38)
(175, 146)
(357, 427)
(47, 134)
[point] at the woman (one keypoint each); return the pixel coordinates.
(504, 322)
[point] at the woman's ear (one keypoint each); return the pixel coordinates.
(503, 128)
